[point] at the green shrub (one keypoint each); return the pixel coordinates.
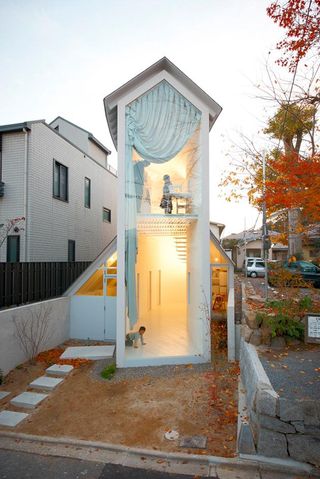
(108, 372)
(287, 316)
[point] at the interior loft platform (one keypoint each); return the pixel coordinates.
(164, 225)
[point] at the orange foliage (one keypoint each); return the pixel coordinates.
(52, 356)
(295, 183)
(301, 20)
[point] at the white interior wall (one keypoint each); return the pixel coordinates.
(158, 253)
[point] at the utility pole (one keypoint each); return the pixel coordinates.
(245, 247)
(265, 237)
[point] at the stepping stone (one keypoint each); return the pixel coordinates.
(11, 419)
(3, 394)
(45, 383)
(197, 442)
(28, 400)
(88, 352)
(59, 369)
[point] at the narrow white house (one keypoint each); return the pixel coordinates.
(59, 179)
(158, 271)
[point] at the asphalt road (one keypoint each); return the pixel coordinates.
(22, 465)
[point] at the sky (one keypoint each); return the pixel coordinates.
(63, 57)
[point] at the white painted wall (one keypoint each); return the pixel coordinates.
(50, 223)
(79, 137)
(11, 353)
(88, 320)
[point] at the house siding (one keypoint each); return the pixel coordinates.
(12, 203)
(50, 221)
(51, 218)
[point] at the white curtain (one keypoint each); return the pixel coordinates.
(158, 125)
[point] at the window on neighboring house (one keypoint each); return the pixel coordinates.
(60, 181)
(13, 249)
(106, 215)
(71, 250)
(56, 128)
(87, 193)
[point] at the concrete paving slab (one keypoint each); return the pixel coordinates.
(88, 352)
(11, 418)
(59, 369)
(48, 384)
(4, 394)
(28, 400)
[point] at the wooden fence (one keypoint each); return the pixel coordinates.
(22, 283)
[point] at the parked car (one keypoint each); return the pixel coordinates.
(309, 271)
(254, 267)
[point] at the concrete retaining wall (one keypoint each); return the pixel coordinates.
(11, 352)
(274, 426)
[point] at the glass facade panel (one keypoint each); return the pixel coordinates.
(162, 202)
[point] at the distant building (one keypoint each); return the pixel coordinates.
(249, 244)
(58, 177)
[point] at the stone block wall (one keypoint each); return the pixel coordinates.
(275, 426)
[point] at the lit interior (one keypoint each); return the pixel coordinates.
(94, 285)
(183, 172)
(219, 277)
(165, 259)
(162, 297)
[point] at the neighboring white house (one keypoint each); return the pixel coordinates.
(56, 176)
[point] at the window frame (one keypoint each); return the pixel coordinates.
(17, 238)
(60, 167)
(85, 185)
(108, 211)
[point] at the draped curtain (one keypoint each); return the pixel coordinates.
(158, 125)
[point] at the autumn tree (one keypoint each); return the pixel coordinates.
(292, 185)
(301, 21)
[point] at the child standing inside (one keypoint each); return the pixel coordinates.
(132, 339)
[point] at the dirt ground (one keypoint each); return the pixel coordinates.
(137, 411)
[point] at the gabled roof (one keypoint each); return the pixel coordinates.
(96, 263)
(90, 135)
(221, 250)
(111, 100)
(16, 127)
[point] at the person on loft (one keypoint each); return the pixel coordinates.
(166, 201)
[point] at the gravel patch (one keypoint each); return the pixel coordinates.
(125, 374)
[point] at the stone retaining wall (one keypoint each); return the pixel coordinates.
(274, 426)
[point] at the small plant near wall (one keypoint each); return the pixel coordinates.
(285, 317)
(109, 371)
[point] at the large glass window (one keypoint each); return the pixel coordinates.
(163, 200)
(13, 249)
(60, 181)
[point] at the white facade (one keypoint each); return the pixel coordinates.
(198, 264)
(28, 154)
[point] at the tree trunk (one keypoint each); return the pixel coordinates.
(294, 238)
